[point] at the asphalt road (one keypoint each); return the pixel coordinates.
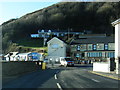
(62, 77)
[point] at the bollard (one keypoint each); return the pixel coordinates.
(43, 65)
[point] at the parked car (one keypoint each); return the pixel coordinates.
(66, 61)
(70, 62)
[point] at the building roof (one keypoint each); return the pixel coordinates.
(24, 53)
(116, 22)
(48, 31)
(93, 40)
(13, 54)
(55, 38)
(92, 35)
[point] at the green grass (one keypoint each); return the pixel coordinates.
(31, 43)
(36, 47)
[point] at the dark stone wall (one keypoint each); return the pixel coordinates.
(18, 67)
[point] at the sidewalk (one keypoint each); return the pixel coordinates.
(112, 75)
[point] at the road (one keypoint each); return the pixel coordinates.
(62, 77)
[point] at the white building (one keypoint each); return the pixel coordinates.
(56, 49)
(116, 24)
(22, 57)
(30, 56)
(11, 56)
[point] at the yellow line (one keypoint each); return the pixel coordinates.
(105, 75)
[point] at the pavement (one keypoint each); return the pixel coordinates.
(112, 75)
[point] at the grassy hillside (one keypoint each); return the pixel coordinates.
(94, 16)
(29, 42)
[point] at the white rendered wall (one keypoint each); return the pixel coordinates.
(101, 67)
(117, 46)
(117, 40)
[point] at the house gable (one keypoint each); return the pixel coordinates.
(56, 40)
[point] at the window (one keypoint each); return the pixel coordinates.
(77, 55)
(78, 48)
(100, 54)
(90, 55)
(49, 31)
(57, 34)
(111, 46)
(96, 55)
(42, 30)
(89, 47)
(82, 47)
(110, 54)
(100, 46)
(87, 54)
(55, 46)
(62, 34)
(94, 47)
(106, 46)
(73, 48)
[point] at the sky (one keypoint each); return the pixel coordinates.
(10, 10)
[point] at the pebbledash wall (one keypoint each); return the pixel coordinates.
(56, 48)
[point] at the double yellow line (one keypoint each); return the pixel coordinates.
(116, 78)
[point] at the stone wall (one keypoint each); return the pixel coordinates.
(18, 67)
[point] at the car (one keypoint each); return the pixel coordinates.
(69, 61)
(66, 61)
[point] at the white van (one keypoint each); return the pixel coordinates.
(63, 62)
(66, 61)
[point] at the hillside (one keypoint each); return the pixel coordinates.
(73, 15)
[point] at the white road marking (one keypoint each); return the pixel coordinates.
(59, 86)
(55, 76)
(95, 80)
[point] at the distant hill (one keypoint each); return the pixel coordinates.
(77, 16)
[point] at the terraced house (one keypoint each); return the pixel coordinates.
(94, 47)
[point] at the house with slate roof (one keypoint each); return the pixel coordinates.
(93, 47)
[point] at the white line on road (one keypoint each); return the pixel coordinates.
(59, 86)
(55, 76)
(95, 80)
